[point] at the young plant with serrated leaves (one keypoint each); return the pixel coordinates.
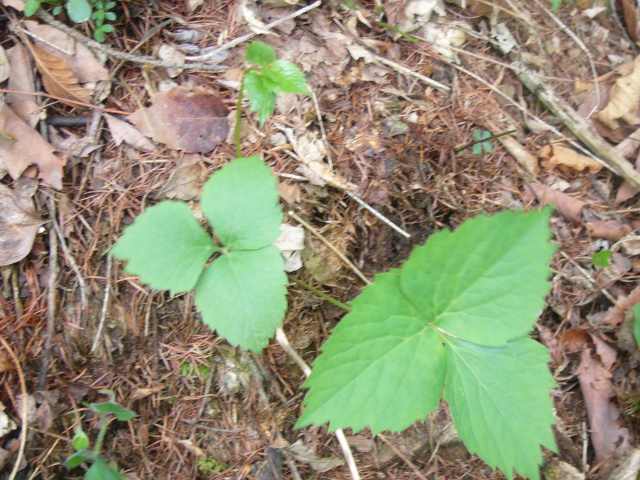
(453, 319)
(242, 293)
(262, 83)
(101, 468)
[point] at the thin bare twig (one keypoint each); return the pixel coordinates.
(51, 297)
(105, 301)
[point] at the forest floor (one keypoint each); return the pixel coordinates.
(78, 323)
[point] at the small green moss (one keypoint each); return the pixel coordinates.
(209, 465)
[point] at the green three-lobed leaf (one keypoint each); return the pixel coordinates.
(455, 318)
(242, 293)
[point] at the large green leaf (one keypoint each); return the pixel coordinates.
(241, 202)
(486, 281)
(242, 296)
(166, 247)
(380, 358)
(500, 404)
(460, 308)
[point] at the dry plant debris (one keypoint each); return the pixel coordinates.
(377, 130)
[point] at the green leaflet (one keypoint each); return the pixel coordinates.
(242, 293)
(455, 317)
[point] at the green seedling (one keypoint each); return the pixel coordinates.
(602, 258)
(80, 11)
(555, 4)
(483, 144)
(452, 322)
(101, 468)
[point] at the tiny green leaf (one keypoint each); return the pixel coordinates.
(500, 404)
(30, 7)
(78, 458)
(118, 411)
(287, 77)
(100, 470)
(79, 10)
(80, 439)
(260, 54)
(636, 324)
(261, 95)
(242, 296)
(241, 202)
(477, 149)
(601, 259)
(166, 247)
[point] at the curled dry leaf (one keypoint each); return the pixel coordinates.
(303, 453)
(22, 80)
(616, 314)
(606, 434)
(624, 99)
(568, 206)
(19, 225)
(183, 119)
(566, 158)
(609, 229)
(28, 148)
(58, 78)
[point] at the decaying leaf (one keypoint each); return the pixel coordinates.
(566, 158)
(409, 15)
(22, 80)
(623, 100)
(184, 183)
(304, 453)
(609, 229)
(171, 54)
(19, 225)
(5, 66)
(58, 78)
(6, 424)
(28, 149)
(183, 119)
(122, 131)
(291, 243)
(568, 206)
(606, 433)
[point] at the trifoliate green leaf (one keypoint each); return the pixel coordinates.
(260, 54)
(241, 202)
(500, 404)
(381, 367)
(261, 95)
(166, 247)
(242, 296)
(485, 282)
(287, 77)
(460, 307)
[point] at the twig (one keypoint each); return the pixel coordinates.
(67, 100)
(320, 294)
(105, 301)
(378, 214)
(23, 390)
(328, 244)
(591, 280)
(51, 297)
(282, 339)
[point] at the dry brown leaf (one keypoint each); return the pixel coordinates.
(615, 315)
(19, 225)
(568, 206)
(22, 80)
(83, 62)
(623, 100)
(609, 229)
(184, 183)
(58, 78)
(303, 453)
(28, 149)
(189, 120)
(566, 158)
(122, 131)
(606, 434)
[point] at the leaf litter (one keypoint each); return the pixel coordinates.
(414, 177)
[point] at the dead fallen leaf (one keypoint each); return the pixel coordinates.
(29, 148)
(291, 243)
(609, 229)
(83, 62)
(568, 206)
(304, 453)
(184, 183)
(6, 424)
(5, 65)
(623, 100)
(58, 78)
(616, 314)
(122, 131)
(22, 80)
(566, 158)
(183, 119)
(19, 225)
(171, 54)
(289, 193)
(606, 434)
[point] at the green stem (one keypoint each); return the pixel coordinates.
(103, 430)
(323, 295)
(238, 129)
(404, 35)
